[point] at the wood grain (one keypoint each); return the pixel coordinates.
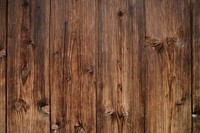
(99, 66)
(196, 62)
(27, 66)
(168, 56)
(73, 65)
(3, 12)
(120, 104)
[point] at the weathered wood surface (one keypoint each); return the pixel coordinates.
(28, 66)
(3, 12)
(73, 65)
(168, 56)
(105, 66)
(120, 103)
(196, 64)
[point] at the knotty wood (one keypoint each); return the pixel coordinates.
(3, 12)
(103, 73)
(27, 66)
(196, 62)
(73, 65)
(120, 104)
(168, 56)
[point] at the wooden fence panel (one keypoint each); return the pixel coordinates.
(27, 65)
(168, 54)
(105, 66)
(196, 64)
(3, 12)
(120, 103)
(73, 65)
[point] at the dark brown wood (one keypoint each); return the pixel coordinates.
(27, 66)
(196, 63)
(168, 56)
(99, 66)
(73, 65)
(3, 17)
(120, 104)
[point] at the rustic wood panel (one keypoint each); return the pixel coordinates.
(3, 12)
(196, 62)
(27, 66)
(120, 103)
(73, 65)
(168, 55)
(87, 66)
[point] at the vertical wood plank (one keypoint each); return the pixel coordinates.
(27, 67)
(73, 65)
(168, 54)
(3, 9)
(196, 62)
(120, 105)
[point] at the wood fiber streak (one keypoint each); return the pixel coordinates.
(168, 55)
(73, 65)
(3, 9)
(27, 66)
(196, 62)
(99, 66)
(120, 96)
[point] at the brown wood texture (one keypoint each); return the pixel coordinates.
(27, 64)
(73, 41)
(196, 63)
(120, 103)
(168, 69)
(3, 12)
(99, 66)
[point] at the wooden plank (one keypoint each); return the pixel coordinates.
(120, 105)
(196, 62)
(168, 56)
(3, 9)
(73, 65)
(27, 75)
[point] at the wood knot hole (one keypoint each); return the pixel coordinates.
(26, 3)
(31, 43)
(90, 71)
(43, 107)
(119, 87)
(120, 13)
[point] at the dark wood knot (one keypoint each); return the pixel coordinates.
(153, 42)
(181, 101)
(68, 77)
(2, 53)
(24, 74)
(79, 128)
(43, 107)
(120, 13)
(26, 3)
(119, 87)
(90, 71)
(31, 43)
(21, 105)
(109, 111)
